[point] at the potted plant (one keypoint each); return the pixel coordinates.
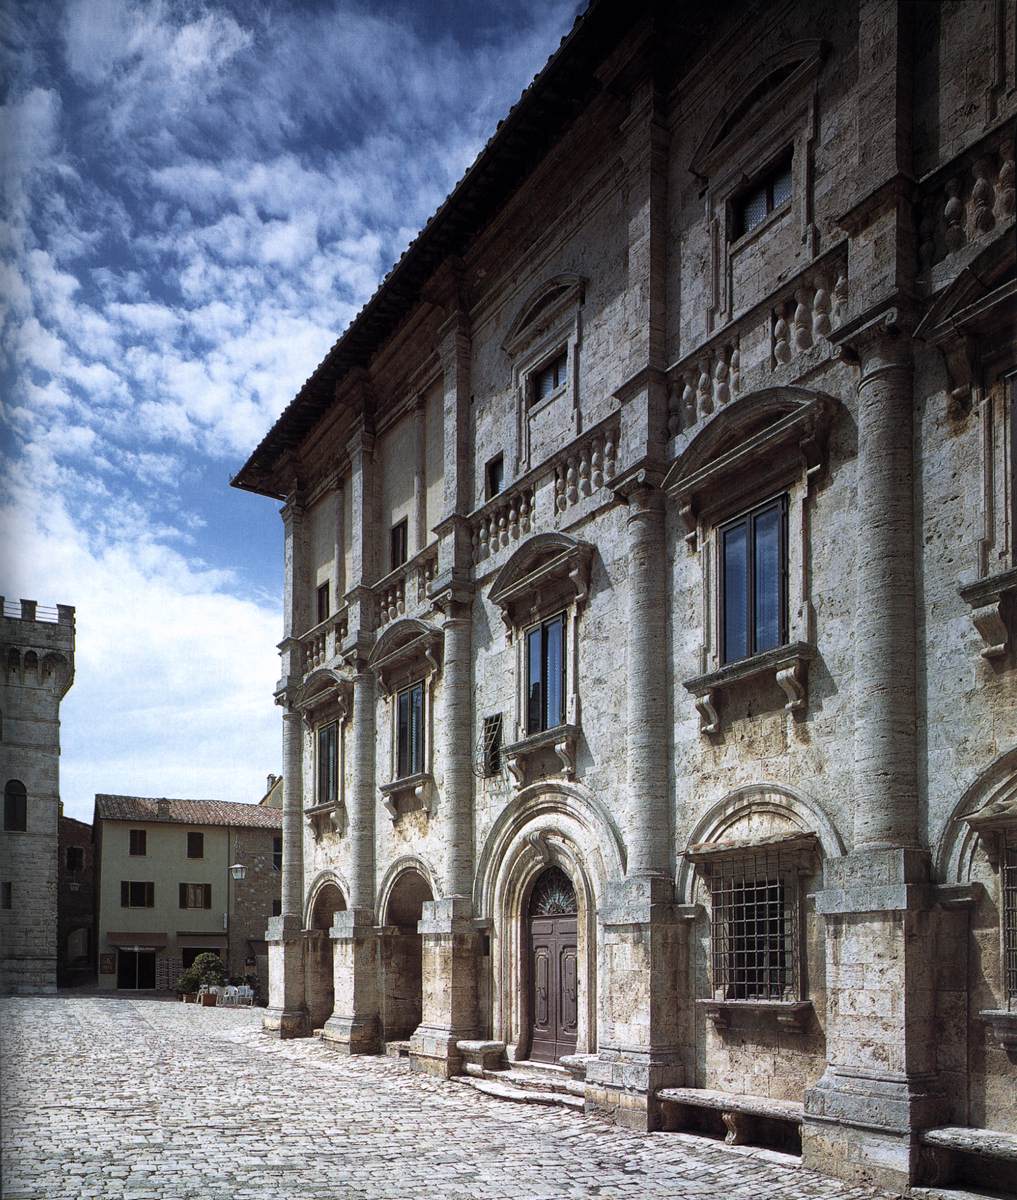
(209, 972)
(187, 985)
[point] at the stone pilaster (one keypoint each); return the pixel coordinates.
(286, 1015)
(451, 956)
(642, 937)
(353, 1027)
(880, 1086)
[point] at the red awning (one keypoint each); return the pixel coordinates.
(148, 941)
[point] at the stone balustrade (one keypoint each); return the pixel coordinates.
(322, 643)
(585, 467)
(503, 520)
(405, 589)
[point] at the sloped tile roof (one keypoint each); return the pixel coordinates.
(186, 812)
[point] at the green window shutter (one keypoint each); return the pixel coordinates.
(150, 895)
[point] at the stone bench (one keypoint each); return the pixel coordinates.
(740, 1113)
(946, 1149)
(480, 1056)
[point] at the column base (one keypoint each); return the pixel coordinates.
(354, 1026)
(282, 1023)
(450, 960)
(352, 1035)
(622, 1085)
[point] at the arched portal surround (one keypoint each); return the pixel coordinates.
(547, 824)
(407, 888)
(325, 897)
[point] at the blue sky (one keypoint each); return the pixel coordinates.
(197, 199)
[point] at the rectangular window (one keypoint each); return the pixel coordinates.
(753, 582)
(754, 932)
(277, 853)
(195, 844)
(492, 745)
(6, 895)
(277, 907)
(321, 603)
(768, 192)
(195, 895)
(139, 842)
(328, 764)
(137, 895)
(1009, 881)
(410, 731)
(550, 377)
(398, 545)
(494, 476)
(545, 675)
(74, 859)
(15, 808)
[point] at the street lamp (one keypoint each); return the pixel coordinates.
(238, 871)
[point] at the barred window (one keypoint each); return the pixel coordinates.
(754, 929)
(492, 745)
(1009, 874)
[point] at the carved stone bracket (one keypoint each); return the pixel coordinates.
(788, 665)
(537, 842)
(416, 791)
(334, 813)
(1004, 1028)
(991, 600)
(788, 1014)
(562, 740)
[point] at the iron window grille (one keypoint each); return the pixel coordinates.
(755, 929)
(1009, 880)
(328, 764)
(767, 192)
(489, 750)
(410, 731)
(753, 581)
(545, 675)
(138, 842)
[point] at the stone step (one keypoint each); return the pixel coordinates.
(398, 1049)
(520, 1095)
(954, 1193)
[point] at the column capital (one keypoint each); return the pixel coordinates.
(877, 341)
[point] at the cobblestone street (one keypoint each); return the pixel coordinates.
(151, 1100)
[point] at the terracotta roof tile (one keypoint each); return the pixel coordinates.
(186, 812)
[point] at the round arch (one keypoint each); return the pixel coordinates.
(321, 881)
(776, 803)
(956, 846)
(391, 878)
(548, 824)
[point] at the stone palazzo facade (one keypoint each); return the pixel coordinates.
(649, 688)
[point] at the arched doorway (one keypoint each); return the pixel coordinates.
(319, 975)
(554, 966)
(402, 957)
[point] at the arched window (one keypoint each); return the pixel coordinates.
(15, 806)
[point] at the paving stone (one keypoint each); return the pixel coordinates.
(148, 1100)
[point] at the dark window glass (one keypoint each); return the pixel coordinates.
(15, 807)
(277, 853)
(6, 895)
(495, 475)
(328, 764)
(765, 194)
(545, 678)
(75, 859)
(277, 907)
(139, 841)
(398, 547)
(195, 845)
(410, 731)
(322, 603)
(551, 376)
(137, 895)
(195, 895)
(753, 583)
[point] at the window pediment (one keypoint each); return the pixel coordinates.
(407, 648)
(324, 694)
(760, 441)
(547, 571)
(542, 308)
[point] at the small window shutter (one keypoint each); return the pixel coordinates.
(183, 895)
(150, 895)
(125, 894)
(208, 895)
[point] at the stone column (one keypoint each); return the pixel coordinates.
(353, 1027)
(880, 1087)
(450, 942)
(286, 1015)
(642, 937)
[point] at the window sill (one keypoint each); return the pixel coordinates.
(334, 811)
(1003, 1026)
(562, 739)
(991, 599)
(757, 231)
(787, 664)
(788, 1014)
(414, 791)
(538, 406)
